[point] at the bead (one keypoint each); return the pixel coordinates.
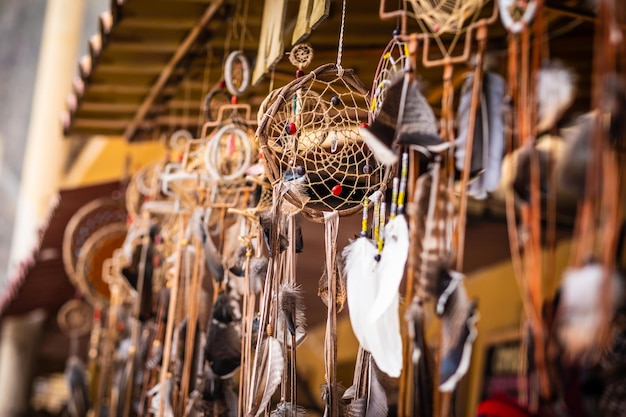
(299, 73)
(364, 124)
(222, 85)
(337, 189)
(395, 32)
(291, 128)
(366, 169)
(300, 170)
(233, 100)
(377, 257)
(335, 101)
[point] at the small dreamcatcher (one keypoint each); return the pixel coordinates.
(74, 318)
(395, 58)
(229, 149)
(301, 56)
(235, 83)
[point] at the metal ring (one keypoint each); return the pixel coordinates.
(211, 156)
(177, 136)
(236, 57)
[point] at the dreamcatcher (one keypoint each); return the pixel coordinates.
(91, 236)
(395, 58)
(310, 142)
(447, 30)
(316, 159)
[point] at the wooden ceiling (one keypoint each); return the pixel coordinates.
(152, 62)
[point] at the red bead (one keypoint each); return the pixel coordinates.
(97, 314)
(233, 100)
(363, 124)
(299, 73)
(337, 189)
(291, 128)
(222, 84)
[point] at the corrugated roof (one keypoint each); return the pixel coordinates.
(141, 52)
(43, 282)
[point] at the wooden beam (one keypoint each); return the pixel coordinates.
(100, 124)
(143, 47)
(128, 69)
(157, 23)
(169, 68)
(108, 107)
(118, 89)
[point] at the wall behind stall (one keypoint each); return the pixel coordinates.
(500, 307)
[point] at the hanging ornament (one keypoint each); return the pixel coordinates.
(301, 56)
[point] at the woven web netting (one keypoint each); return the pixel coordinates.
(395, 58)
(444, 21)
(310, 137)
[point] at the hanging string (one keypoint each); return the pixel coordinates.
(341, 32)
(244, 24)
(208, 61)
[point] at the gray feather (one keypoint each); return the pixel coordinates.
(376, 398)
(286, 409)
(356, 408)
(488, 141)
(76, 378)
(418, 126)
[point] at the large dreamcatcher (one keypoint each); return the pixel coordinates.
(404, 124)
(310, 140)
(91, 236)
(316, 158)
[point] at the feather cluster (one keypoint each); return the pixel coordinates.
(76, 378)
(286, 409)
(223, 346)
(580, 311)
(341, 285)
(292, 306)
(555, 94)
(417, 126)
(380, 336)
(390, 269)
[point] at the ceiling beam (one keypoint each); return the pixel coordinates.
(171, 65)
(143, 47)
(163, 23)
(129, 69)
(88, 106)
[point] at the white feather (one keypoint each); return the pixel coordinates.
(555, 93)
(360, 271)
(385, 341)
(382, 153)
(390, 269)
(580, 310)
